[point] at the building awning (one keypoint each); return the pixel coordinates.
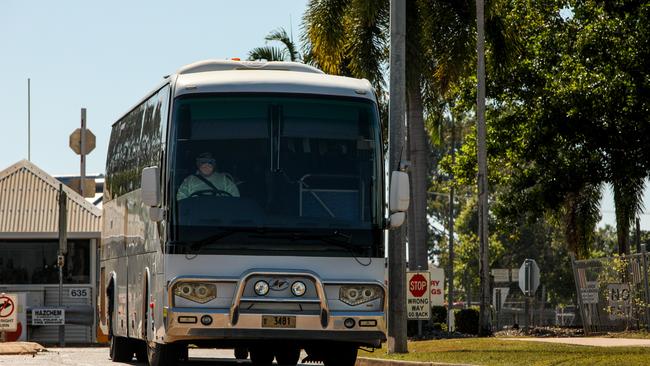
(29, 206)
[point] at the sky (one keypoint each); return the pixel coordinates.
(105, 56)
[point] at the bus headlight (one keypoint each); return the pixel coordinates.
(196, 291)
(261, 288)
(356, 295)
(298, 288)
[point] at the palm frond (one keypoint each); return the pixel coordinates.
(324, 34)
(280, 35)
(267, 53)
(367, 45)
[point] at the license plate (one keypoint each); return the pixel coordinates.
(269, 321)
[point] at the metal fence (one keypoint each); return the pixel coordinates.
(613, 292)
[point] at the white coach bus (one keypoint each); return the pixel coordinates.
(244, 208)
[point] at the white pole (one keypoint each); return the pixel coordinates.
(29, 120)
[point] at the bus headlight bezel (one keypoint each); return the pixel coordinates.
(199, 292)
(354, 295)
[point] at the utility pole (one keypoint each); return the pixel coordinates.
(637, 238)
(397, 112)
(63, 248)
(450, 275)
(484, 271)
(29, 119)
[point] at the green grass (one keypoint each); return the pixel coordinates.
(493, 351)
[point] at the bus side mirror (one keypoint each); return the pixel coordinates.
(399, 198)
(150, 186)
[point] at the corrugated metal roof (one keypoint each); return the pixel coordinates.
(29, 203)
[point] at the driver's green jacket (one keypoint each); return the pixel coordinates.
(193, 185)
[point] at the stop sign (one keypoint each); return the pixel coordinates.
(418, 285)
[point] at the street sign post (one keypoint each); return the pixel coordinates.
(76, 141)
(437, 286)
(529, 277)
(82, 142)
(528, 283)
(418, 301)
(48, 316)
(618, 301)
(8, 313)
(418, 297)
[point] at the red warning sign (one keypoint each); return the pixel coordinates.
(418, 285)
(418, 299)
(7, 313)
(7, 306)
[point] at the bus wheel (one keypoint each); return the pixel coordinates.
(287, 356)
(261, 356)
(121, 349)
(345, 355)
(182, 352)
(161, 354)
(141, 352)
(241, 353)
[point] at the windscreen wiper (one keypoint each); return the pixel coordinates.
(335, 238)
(212, 239)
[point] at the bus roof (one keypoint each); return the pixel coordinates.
(223, 76)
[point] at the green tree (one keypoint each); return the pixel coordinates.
(347, 37)
(287, 52)
(569, 116)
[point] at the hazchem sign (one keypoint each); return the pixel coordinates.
(48, 316)
(418, 297)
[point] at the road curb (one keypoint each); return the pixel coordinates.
(365, 361)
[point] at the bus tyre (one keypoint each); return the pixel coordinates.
(261, 356)
(161, 354)
(287, 356)
(182, 352)
(343, 355)
(241, 353)
(141, 352)
(121, 350)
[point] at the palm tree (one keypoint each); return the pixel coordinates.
(346, 37)
(286, 52)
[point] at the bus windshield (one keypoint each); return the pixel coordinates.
(275, 171)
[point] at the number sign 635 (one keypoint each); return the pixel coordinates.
(79, 293)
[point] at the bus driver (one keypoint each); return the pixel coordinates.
(206, 181)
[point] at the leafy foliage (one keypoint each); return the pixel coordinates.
(288, 51)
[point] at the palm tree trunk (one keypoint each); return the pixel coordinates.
(418, 153)
(581, 214)
(627, 202)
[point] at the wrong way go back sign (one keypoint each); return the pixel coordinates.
(418, 296)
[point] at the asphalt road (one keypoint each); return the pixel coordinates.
(98, 356)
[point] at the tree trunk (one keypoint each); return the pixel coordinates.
(418, 153)
(627, 198)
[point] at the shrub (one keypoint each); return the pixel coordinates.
(438, 314)
(466, 321)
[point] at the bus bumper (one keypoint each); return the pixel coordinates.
(368, 329)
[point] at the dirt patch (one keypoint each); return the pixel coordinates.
(542, 332)
(20, 348)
